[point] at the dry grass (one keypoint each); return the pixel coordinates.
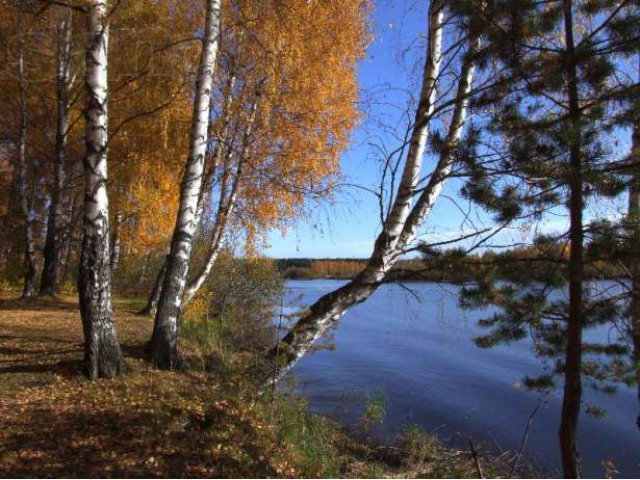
(146, 424)
(163, 424)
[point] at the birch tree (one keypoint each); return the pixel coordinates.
(56, 218)
(230, 183)
(102, 354)
(116, 243)
(165, 335)
(153, 53)
(410, 207)
(26, 203)
(281, 123)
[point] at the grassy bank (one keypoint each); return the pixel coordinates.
(150, 423)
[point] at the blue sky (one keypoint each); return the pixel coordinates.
(389, 79)
(348, 226)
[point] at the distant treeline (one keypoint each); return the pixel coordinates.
(346, 268)
(309, 268)
(455, 266)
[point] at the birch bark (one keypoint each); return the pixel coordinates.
(404, 218)
(116, 243)
(23, 180)
(225, 210)
(164, 342)
(55, 222)
(211, 165)
(102, 354)
(212, 160)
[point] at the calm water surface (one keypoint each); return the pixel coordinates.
(420, 355)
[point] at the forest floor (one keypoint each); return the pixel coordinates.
(151, 423)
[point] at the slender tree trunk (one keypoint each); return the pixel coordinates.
(634, 223)
(144, 271)
(116, 244)
(165, 338)
(68, 239)
(214, 250)
(53, 243)
(103, 357)
(29, 287)
(212, 160)
(65, 259)
(225, 209)
(572, 395)
(211, 166)
(151, 308)
(403, 220)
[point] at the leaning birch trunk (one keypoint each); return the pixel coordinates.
(212, 161)
(225, 210)
(403, 220)
(214, 249)
(164, 342)
(25, 203)
(212, 256)
(151, 307)
(634, 223)
(211, 167)
(53, 243)
(102, 354)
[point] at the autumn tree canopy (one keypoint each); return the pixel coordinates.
(278, 56)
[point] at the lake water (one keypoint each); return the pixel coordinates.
(420, 355)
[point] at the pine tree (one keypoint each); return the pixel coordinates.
(546, 147)
(633, 227)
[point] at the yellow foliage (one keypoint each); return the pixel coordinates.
(150, 115)
(336, 268)
(306, 81)
(281, 53)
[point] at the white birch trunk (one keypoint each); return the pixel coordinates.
(430, 194)
(116, 243)
(401, 208)
(217, 235)
(55, 223)
(213, 160)
(402, 222)
(103, 357)
(23, 180)
(211, 165)
(225, 210)
(165, 338)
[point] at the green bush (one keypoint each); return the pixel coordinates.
(231, 318)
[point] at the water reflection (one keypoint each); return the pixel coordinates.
(422, 357)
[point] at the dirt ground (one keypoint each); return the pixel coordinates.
(146, 424)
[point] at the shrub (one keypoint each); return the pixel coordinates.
(231, 319)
